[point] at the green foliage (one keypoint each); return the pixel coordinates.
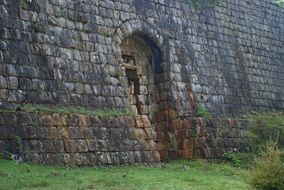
(279, 3)
(231, 157)
(265, 126)
(203, 112)
(238, 159)
(201, 4)
(17, 138)
(181, 175)
(75, 110)
(24, 4)
(268, 172)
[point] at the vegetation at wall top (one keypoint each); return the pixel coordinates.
(279, 3)
(201, 4)
(40, 108)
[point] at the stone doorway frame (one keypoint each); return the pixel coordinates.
(164, 140)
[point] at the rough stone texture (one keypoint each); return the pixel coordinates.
(82, 140)
(228, 59)
(74, 140)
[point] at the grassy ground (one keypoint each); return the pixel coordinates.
(177, 175)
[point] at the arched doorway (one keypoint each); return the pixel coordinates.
(142, 62)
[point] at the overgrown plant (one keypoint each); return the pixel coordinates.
(265, 126)
(268, 171)
(231, 157)
(238, 159)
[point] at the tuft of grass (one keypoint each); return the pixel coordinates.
(176, 175)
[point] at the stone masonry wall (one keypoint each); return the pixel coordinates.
(227, 58)
(83, 140)
(80, 140)
(65, 52)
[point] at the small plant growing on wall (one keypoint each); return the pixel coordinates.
(200, 4)
(24, 6)
(202, 112)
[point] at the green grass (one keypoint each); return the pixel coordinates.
(177, 175)
(49, 109)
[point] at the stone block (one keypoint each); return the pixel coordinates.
(57, 120)
(48, 146)
(95, 121)
(32, 132)
(101, 158)
(81, 159)
(127, 121)
(140, 134)
(70, 146)
(74, 132)
(139, 122)
(69, 159)
(82, 145)
(46, 120)
(102, 145)
(10, 119)
(63, 133)
(86, 133)
(74, 120)
(92, 145)
(188, 153)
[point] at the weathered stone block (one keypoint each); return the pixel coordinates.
(46, 120)
(10, 119)
(70, 146)
(74, 132)
(82, 146)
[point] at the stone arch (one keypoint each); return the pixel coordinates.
(129, 27)
(145, 29)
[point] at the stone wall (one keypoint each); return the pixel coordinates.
(81, 140)
(227, 58)
(84, 140)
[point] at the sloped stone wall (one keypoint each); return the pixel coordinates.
(228, 59)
